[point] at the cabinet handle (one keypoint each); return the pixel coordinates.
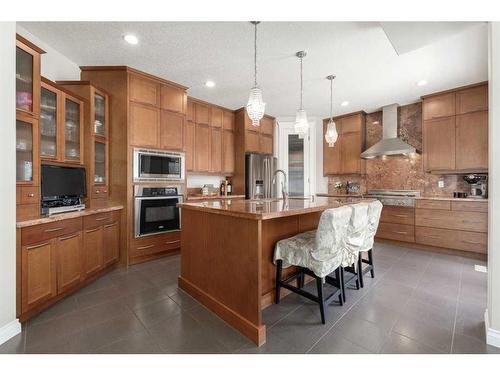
(31, 195)
(110, 225)
(53, 229)
(398, 232)
(104, 191)
(470, 222)
(171, 242)
(101, 218)
(92, 230)
(430, 236)
(97, 191)
(145, 247)
(400, 215)
(37, 246)
(471, 242)
(69, 237)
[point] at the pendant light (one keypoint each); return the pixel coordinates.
(301, 124)
(255, 106)
(331, 134)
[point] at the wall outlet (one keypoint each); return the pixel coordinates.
(441, 184)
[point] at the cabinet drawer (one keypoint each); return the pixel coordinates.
(43, 232)
(398, 232)
(398, 215)
(433, 204)
(99, 191)
(96, 220)
(469, 206)
(155, 244)
(29, 195)
(27, 211)
(452, 239)
(459, 220)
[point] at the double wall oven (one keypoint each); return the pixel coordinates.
(155, 206)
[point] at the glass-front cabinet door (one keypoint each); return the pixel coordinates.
(100, 162)
(26, 150)
(24, 80)
(99, 115)
(72, 133)
(48, 123)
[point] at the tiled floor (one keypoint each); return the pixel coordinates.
(419, 302)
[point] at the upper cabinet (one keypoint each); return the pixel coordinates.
(173, 99)
(26, 150)
(455, 130)
(254, 138)
(61, 124)
(345, 156)
(27, 76)
(144, 90)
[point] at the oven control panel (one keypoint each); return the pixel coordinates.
(156, 191)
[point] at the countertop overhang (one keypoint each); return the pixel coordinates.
(269, 208)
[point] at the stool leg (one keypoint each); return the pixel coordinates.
(341, 282)
(279, 265)
(301, 280)
(370, 262)
(360, 270)
(319, 284)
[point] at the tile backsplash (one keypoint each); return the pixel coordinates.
(400, 172)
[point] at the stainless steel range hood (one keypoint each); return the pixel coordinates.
(390, 143)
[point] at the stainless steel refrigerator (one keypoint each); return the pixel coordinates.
(260, 167)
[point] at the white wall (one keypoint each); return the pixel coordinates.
(55, 66)
(493, 312)
(9, 326)
(195, 181)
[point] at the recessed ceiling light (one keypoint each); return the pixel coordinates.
(210, 83)
(345, 103)
(422, 82)
(131, 39)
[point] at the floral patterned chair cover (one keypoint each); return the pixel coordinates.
(321, 250)
(374, 212)
(356, 233)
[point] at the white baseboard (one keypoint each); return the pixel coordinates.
(492, 335)
(9, 330)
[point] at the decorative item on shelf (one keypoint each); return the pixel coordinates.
(229, 188)
(205, 190)
(255, 106)
(222, 188)
(301, 124)
(338, 187)
(352, 187)
(331, 134)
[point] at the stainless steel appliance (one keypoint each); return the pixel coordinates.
(157, 165)
(404, 198)
(478, 185)
(260, 167)
(155, 210)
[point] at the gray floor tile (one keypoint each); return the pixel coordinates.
(398, 344)
(14, 346)
(145, 297)
(334, 343)
(184, 300)
(99, 296)
(362, 333)
(275, 312)
(376, 313)
(159, 311)
(137, 343)
(63, 307)
(469, 345)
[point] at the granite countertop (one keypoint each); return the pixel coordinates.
(68, 215)
(454, 199)
(268, 208)
(337, 195)
(199, 197)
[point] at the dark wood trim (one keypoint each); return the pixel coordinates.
(454, 89)
(63, 89)
(29, 44)
(196, 100)
(147, 258)
(82, 83)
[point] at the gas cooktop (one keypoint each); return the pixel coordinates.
(394, 197)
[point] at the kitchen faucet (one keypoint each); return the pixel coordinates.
(283, 184)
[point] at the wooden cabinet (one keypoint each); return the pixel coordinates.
(345, 156)
(69, 261)
(144, 125)
(202, 148)
(201, 113)
(144, 90)
(472, 141)
(228, 152)
(228, 120)
(172, 131)
(92, 251)
(189, 145)
(439, 144)
(266, 144)
(455, 130)
(252, 141)
(190, 110)
(27, 153)
(173, 99)
(146, 246)
(216, 117)
(111, 243)
(215, 150)
(267, 125)
(28, 58)
(397, 223)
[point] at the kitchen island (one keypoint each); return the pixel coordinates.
(227, 250)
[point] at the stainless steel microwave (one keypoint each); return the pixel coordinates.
(156, 165)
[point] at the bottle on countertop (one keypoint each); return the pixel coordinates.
(222, 188)
(229, 188)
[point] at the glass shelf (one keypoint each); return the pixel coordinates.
(48, 124)
(72, 130)
(24, 151)
(99, 162)
(99, 115)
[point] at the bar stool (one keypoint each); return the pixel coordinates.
(374, 212)
(316, 253)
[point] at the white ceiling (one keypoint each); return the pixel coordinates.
(369, 72)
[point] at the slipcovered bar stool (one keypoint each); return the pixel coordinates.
(374, 212)
(316, 253)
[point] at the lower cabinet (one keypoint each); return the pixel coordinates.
(57, 258)
(397, 223)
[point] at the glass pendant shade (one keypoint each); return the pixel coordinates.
(301, 124)
(331, 134)
(255, 106)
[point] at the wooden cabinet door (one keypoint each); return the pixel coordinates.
(252, 141)
(267, 125)
(143, 90)
(216, 117)
(228, 152)
(144, 125)
(172, 99)
(201, 113)
(332, 163)
(72, 129)
(228, 120)
(38, 275)
(439, 144)
(190, 110)
(351, 151)
(472, 100)
(189, 145)
(266, 144)
(439, 106)
(172, 130)
(111, 243)
(69, 261)
(472, 141)
(27, 152)
(202, 148)
(349, 124)
(92, 251)
(215, 150)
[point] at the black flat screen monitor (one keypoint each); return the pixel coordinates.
(58, 182)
